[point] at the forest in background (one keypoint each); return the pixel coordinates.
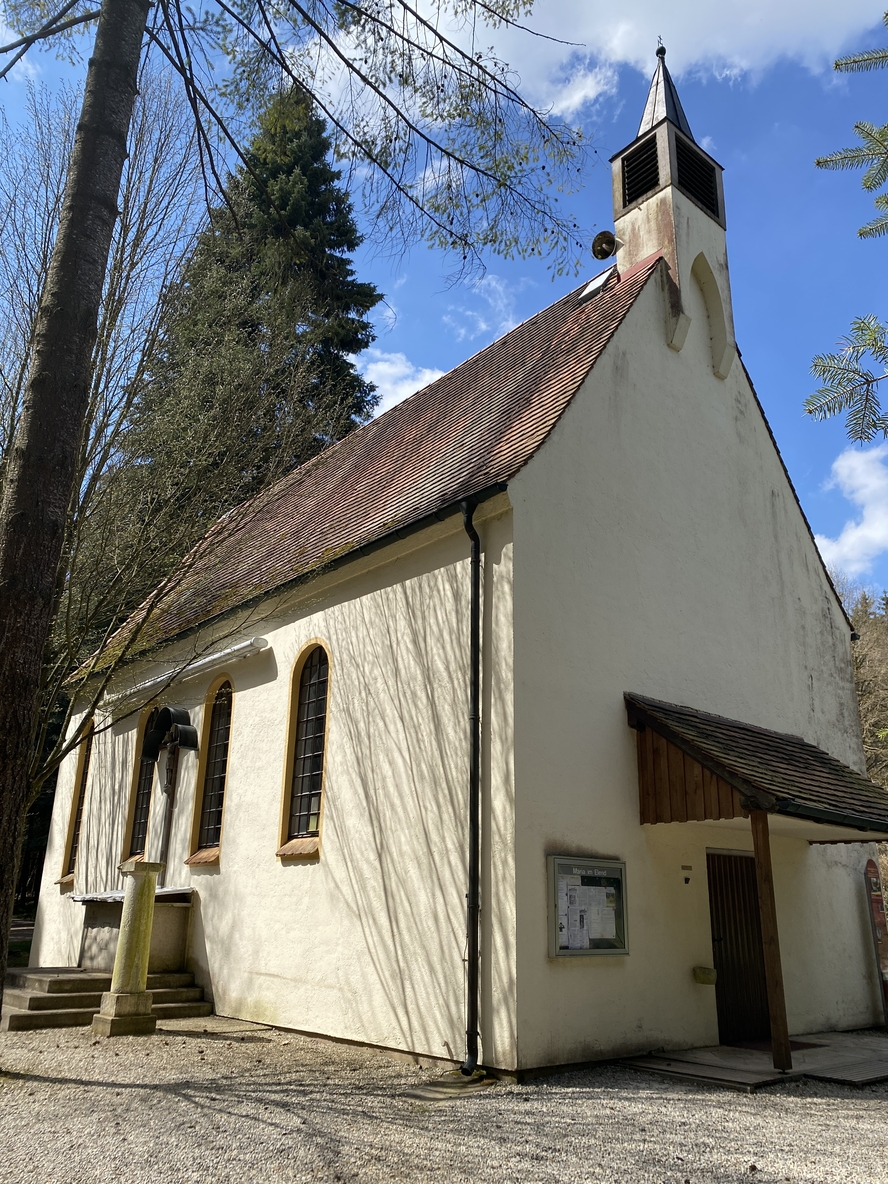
(868, 611)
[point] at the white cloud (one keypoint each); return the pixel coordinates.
(862, 476)
(583, 85)
(394, 376)
(573, 65)
(495, 316)
(725, 40)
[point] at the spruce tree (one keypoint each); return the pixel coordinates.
(253, 372)
(303, 222)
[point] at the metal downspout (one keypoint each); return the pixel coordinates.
(473, 896)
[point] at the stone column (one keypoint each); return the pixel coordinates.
(126, 1008)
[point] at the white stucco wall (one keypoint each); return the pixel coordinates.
(659, 549)
(366, 943)
(59, 921)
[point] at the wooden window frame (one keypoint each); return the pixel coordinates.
(78, 805)
(202, 856)
(303, 847)
(127, 845)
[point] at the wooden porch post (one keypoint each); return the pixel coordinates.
(770, 943)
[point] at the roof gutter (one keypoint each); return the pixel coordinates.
(234, 653)
(829, 817)
(404, 532)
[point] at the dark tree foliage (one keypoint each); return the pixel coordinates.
(306, 230)
(261, 328)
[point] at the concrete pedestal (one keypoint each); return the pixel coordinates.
(126, 1014)
(126, 1008)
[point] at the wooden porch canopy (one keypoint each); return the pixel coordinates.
(693, 767)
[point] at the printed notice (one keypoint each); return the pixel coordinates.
(585, 912)
(578, 939)
(609, 914)
(589, 908)
(565, 884)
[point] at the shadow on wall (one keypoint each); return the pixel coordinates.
(103, 837)
(197, 961)
(397, 804)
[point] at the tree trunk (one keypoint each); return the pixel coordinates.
(38, 483)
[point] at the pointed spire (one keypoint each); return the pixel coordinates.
(663, 101)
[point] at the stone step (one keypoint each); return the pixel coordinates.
(67, 997)
(15, 1019)
(58, 980)
(181, 1011)
(166, 995)
(44, 1001)
(170, 981)
(25, 1000)
(12, 1019)
(71, 980)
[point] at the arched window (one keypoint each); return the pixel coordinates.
(216, 767)
(308, 750)
(80, 797)
(144, 786)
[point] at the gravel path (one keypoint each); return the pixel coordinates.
(241, 1103)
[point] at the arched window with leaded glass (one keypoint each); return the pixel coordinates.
(141, 808)
(309, 741)
(215, 766)
(76, 825)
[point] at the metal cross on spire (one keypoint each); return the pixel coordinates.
(663, 101)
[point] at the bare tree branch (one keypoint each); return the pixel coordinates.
(50, 29)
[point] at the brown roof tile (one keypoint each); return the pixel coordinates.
(472, 429)
(771, 770)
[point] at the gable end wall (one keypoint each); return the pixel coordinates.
(659, 548)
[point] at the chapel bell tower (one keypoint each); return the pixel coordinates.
(669, 198)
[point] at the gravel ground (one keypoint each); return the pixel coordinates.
(216, 1100)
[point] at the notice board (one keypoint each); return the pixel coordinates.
(587, 907)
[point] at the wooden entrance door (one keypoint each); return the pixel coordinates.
(740, 989)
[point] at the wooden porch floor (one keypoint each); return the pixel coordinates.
(850, 1058)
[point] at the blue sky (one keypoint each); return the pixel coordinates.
(756, 83)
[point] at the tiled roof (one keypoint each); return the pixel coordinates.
(771, 770)
(471, 429)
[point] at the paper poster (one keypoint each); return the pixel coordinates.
(565, 883)
(589, 907)
(586, 912)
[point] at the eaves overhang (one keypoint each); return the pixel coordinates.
(771, 771)
(361, 551)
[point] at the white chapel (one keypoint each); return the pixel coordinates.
(517, 728)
